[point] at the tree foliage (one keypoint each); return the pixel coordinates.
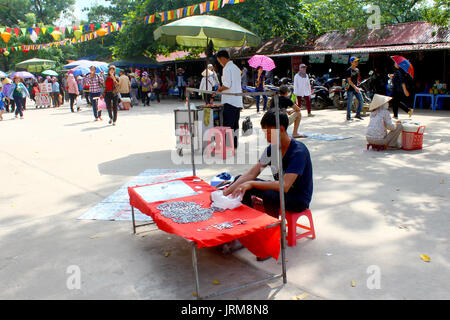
(12, 12)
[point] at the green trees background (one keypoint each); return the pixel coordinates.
(297, 21)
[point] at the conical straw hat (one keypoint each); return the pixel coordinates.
(378, 100)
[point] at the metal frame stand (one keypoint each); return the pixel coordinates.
(281, 223)
(134, 221)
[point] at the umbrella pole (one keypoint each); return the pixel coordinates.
(207, 73)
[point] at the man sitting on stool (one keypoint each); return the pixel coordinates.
(297, 167)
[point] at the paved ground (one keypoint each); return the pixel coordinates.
(381, 209)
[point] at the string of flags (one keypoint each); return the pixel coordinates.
(82, 33)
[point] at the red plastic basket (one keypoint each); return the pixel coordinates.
(413, 140)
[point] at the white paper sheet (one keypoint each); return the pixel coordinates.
(165, 191)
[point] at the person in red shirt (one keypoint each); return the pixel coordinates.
(111, 94)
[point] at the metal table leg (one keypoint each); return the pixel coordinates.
(195, 265)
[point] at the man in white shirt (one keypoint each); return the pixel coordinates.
(231, 83)
(302, 88)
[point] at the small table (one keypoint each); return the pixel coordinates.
(437, 98)
(424, 95)
(261, 234)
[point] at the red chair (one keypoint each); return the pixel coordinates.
(291, 222)
(220, 134)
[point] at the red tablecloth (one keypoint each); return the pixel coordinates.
(254, 235)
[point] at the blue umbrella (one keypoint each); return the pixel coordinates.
(80, 71)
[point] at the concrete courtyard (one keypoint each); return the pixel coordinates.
(375, 213)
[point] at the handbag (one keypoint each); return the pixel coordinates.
(247, 126)
(101, 105)
(79, 101)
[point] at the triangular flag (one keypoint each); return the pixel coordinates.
(63, 30)
(44, 30)
(8, 30)
(69, 29)
(179, 13)
(50, 29)
(92, 26)
(24, 31)
(37, 30)
(30, 30)
(2, 30)
(16, 31)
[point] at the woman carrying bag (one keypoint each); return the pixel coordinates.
(95, 83)
(111, 94)
(18, 92)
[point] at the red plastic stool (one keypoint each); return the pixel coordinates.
(220, 134)
(291, 219)
(375, 147)
(292, 225)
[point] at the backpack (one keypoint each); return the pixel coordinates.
(247, 126)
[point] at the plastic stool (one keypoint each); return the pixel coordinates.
(292, 225)
(291, 218)
(220, 134)
(375, 147)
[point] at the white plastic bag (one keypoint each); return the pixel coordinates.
(225, 202)
(79, 101)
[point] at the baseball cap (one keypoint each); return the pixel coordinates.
(353, 59)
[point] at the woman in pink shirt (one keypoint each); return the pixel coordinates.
(72, 88)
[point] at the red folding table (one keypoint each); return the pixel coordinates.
(260, 233)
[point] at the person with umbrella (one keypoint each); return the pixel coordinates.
(400, 94)
(18, 92)
(262, 64)
(259, 84)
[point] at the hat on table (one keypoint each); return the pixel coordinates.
(378, 100)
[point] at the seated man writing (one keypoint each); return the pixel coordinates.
(297, 167)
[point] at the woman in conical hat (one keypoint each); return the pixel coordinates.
(381, 131)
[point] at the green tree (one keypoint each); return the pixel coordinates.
(12, 12)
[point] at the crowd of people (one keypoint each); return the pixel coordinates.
(99, 89)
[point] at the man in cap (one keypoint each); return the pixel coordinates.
(302, 88)
(352, 75)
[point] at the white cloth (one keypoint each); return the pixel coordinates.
(380, 120)
(302, 86)
(231, 78)
(211, 84)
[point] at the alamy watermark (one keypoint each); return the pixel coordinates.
(374, 21)
(374, 280)
(73, 281)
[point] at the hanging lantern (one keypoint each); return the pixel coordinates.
(101, 32)
(56, 35)
(6, 36)
(6, 53)
(78, 34)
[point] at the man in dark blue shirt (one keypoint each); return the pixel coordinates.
(297, 167)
